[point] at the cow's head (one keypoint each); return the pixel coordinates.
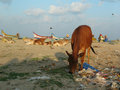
(72, 63)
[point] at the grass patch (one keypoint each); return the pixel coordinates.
(60, 71)
(62, 58)
(4, 67)
(12, 75)
(35, 59)
(45, 57)
(35, 73)
(51, 82)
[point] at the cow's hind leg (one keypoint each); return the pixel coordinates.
(82, 59)
(88, 53)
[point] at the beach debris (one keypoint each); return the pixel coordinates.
(86, 66)
(81, 87)
(105, 77)
(114, 85)
(38, 71)
(39, 77)
(99, 79)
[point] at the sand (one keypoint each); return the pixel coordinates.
(25, 61)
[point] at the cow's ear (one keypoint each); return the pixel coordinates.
(81, 54)
(68, 53)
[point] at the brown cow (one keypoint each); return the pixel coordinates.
(81, 40)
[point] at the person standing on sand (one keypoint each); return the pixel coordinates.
(52, 40)
(100, 38)
(105, 38)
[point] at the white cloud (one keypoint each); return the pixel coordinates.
(34, 12)
(111, 0)
(78, 7)
(64, 13)
(57, 10)
(74, 7)
(6, 1)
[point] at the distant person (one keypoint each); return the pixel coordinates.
(100, 38)
(105, 38)
(52, 40)
(94, 39)
(67, 36)
(18, 35)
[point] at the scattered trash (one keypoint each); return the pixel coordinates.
(38, 71)
(81, 87)
(78, 79)
(105, 77)
(114, 85)
(99, 79)
(37, 78)
(86, 66)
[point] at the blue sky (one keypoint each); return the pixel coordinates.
(28, 16)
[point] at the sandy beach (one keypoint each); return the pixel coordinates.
(20, 62)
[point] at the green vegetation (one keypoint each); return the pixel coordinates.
(35, 59)
(60, 71)
(47, 83)
(4, 67)
(12, 75)
(62, 58)
(43, 58)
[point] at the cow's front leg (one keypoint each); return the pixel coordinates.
(77, 68)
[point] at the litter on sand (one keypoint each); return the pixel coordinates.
(39, 77)
(107, 77)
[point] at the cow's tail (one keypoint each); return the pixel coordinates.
(93, 50)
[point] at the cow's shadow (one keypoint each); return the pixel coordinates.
(61, 56)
